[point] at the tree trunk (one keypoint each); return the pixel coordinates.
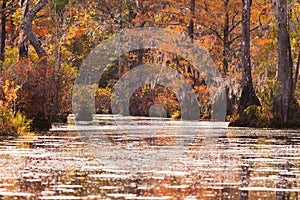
(284, 97)
(191, 26)
(248, 96)
(3, 34)
(296, 74)
(27, 35)
(131, 13)
(23, 41)
(226, 44)
(27, 22)
(226, 56)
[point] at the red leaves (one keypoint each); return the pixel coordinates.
(50, 70)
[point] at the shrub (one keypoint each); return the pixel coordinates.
(45, 91)
(11, 122)
(103, 100)
(258, 116)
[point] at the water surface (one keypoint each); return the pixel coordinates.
(151, 159)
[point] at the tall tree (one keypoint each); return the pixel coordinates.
(248, 96)
(284, 99)
(222, 19)
(3, 32)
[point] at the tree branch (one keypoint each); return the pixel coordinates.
(27, 22)
(234, 25)
(8, 8)
(213, 30)
(235, 38)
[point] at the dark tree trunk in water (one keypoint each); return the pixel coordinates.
(284, 99)
(248, 96)
(3, 33)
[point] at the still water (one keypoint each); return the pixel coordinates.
(143, 158)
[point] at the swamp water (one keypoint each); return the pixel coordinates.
(151, 159)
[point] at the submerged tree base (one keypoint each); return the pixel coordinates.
(256, 116)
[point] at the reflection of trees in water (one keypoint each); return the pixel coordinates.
(216, 170)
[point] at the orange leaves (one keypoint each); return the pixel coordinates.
(190, 81)
(201, 89)
(208, 42)
(41, 25)
(79, 32)
(261, 41)
(41, 59)
(171, 10)
(41, 31)
(163, 14)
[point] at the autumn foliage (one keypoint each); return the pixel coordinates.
(43, 63)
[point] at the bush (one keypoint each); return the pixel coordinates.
(45, 92)
(258, 116)
(253, 116)
(11, 122)
(103, 100)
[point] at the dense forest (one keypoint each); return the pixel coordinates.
(255, 44)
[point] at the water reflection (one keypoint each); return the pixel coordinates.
(226, 164)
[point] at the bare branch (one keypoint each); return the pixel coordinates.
(8, 8)
(234, 26)
(213, 30)
(234, 39)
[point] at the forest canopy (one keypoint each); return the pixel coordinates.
(255, 44)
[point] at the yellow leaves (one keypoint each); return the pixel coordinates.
(9, 93)
(75, 32)
(17, 17)
(7, 82)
